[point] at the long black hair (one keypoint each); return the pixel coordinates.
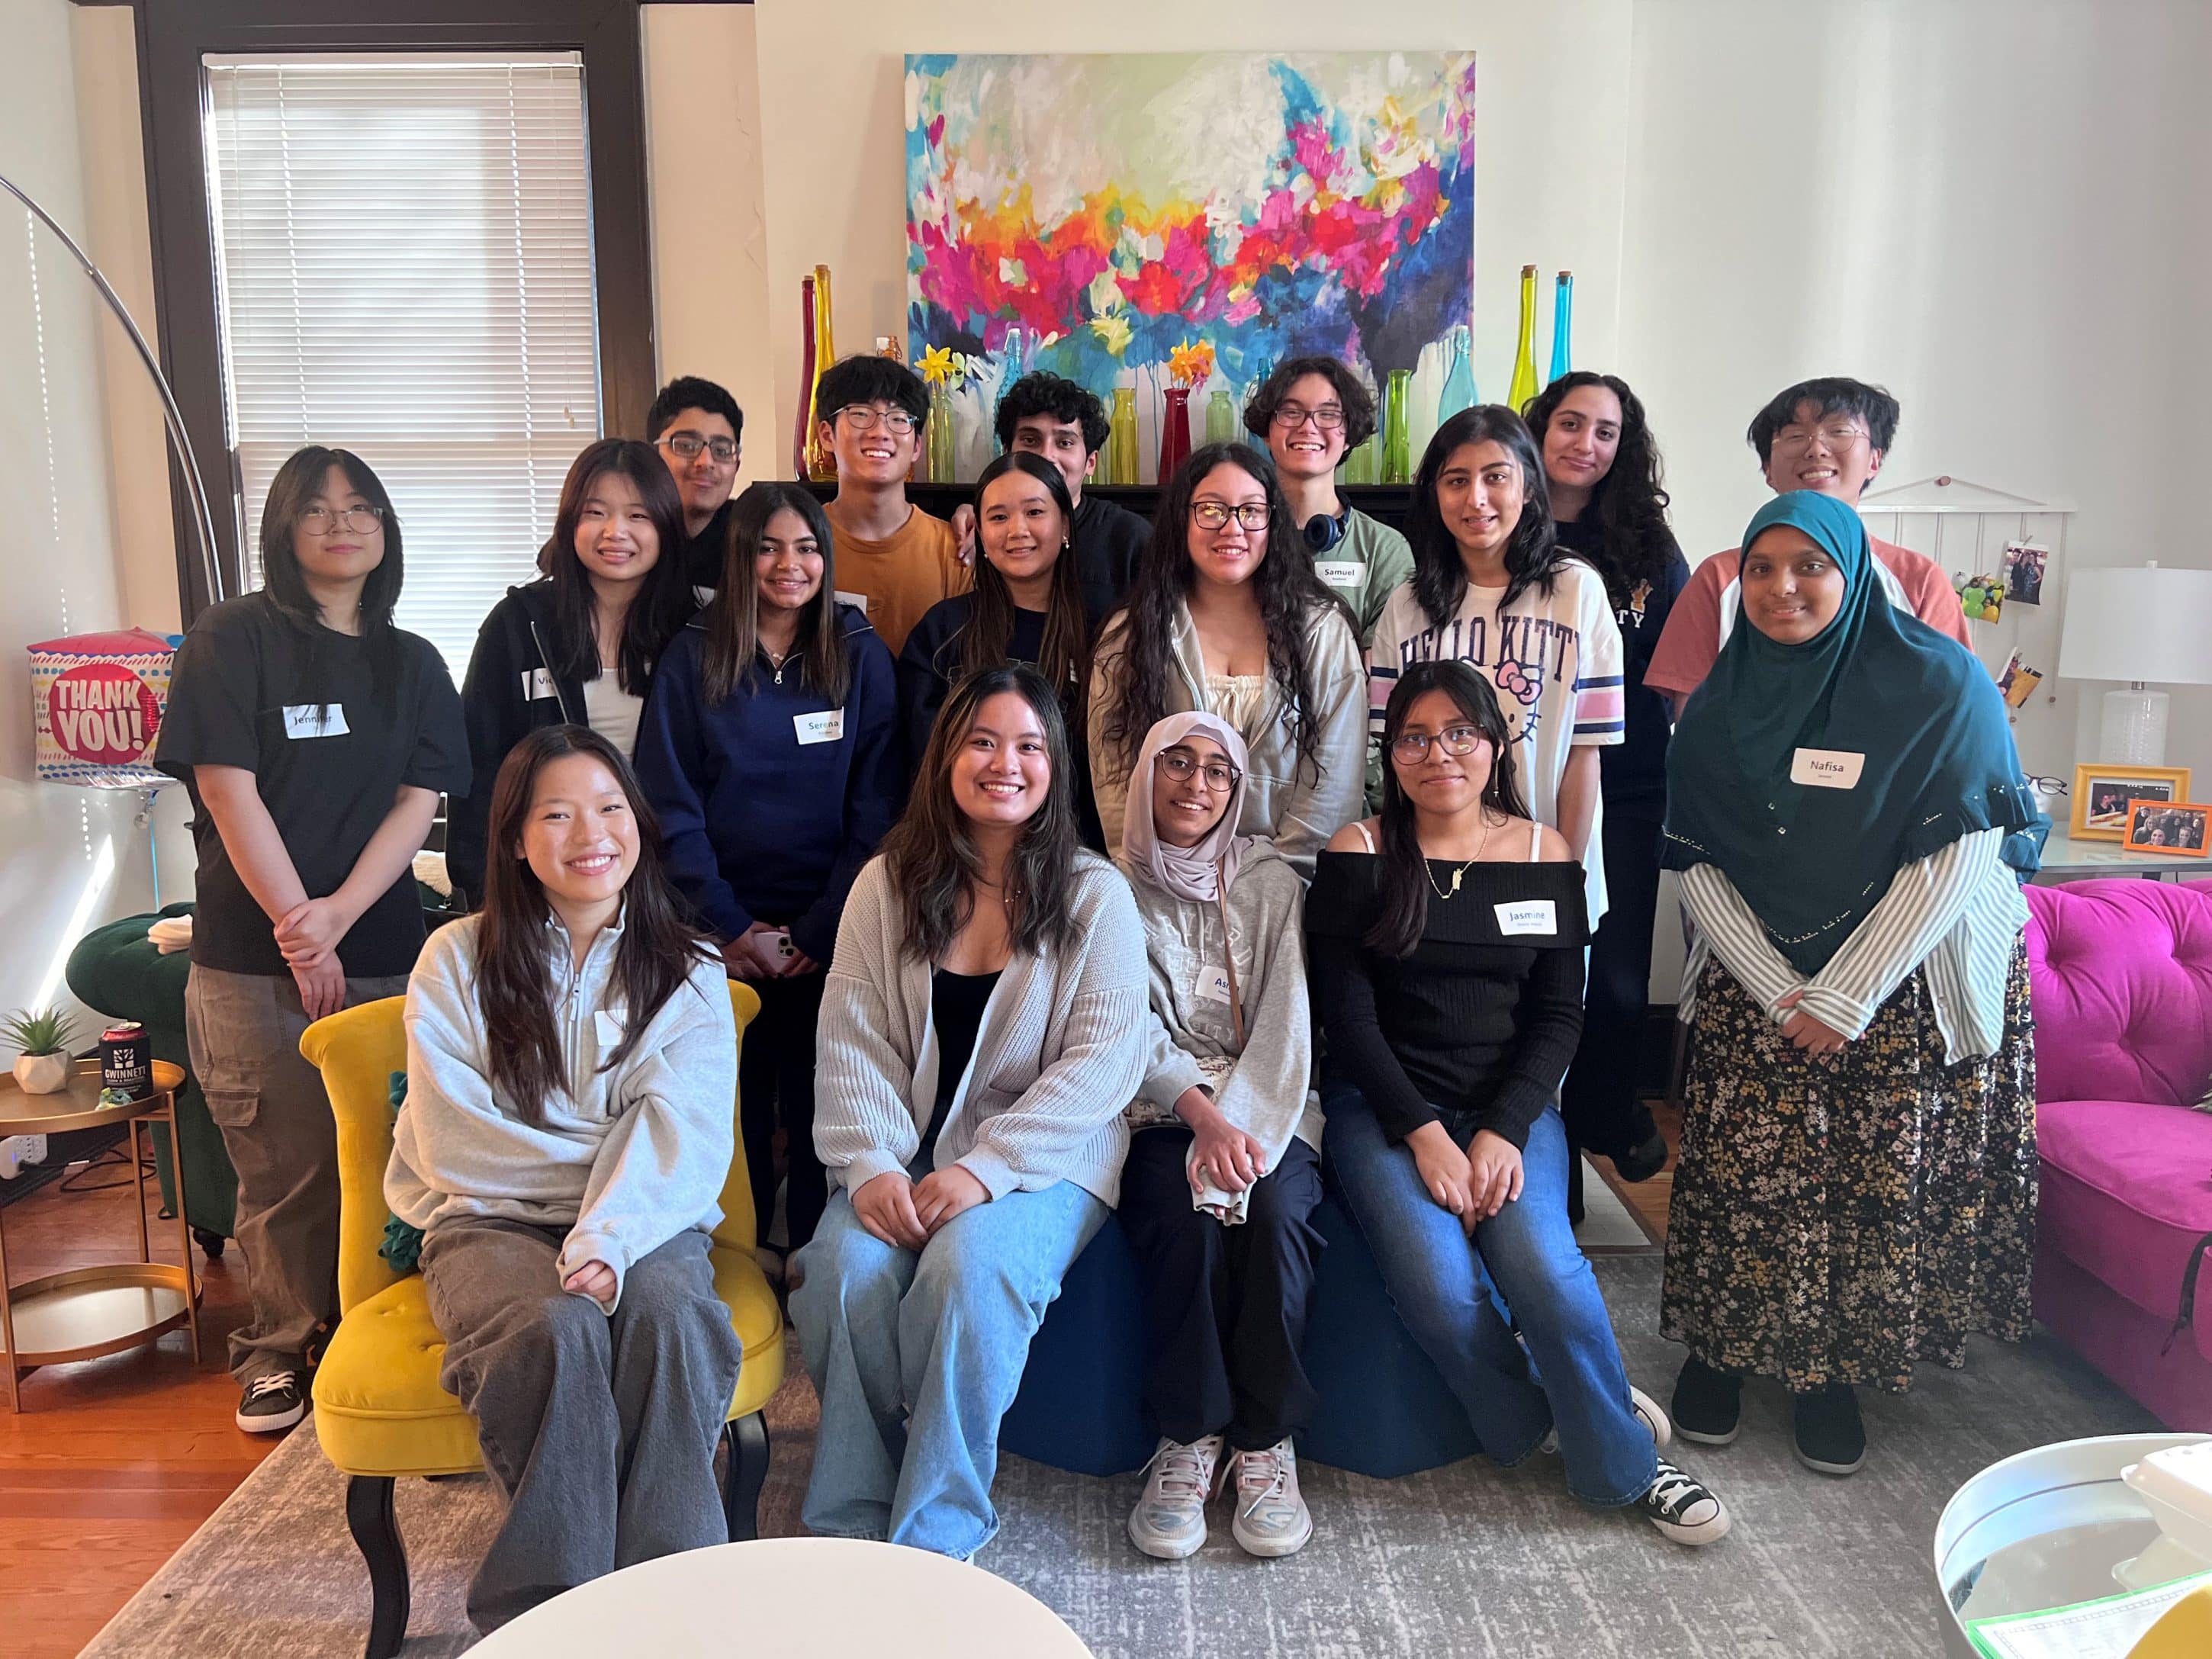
(1404, 871)
(986, 636)
(931, 852)
(1630, 501)
(1533, 556)
(1285, 584)
(658, 950)
(733, 649)
(297, 483)
(664, 597)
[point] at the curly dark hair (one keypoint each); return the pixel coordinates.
(1057, 399)
(1630, 502)
(1533, 556)
(1351, 391)
(1284, 585)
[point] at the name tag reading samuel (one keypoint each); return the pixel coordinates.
(1340, 573)
(1527, 916)
(315, 719)
(825, 727)
(1826, 769)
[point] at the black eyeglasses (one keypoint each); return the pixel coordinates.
(1291, 417)
(320, 520)
(861, 418)
(1180, 763)
(1216, 516)
(1413, 747)
(688, 444)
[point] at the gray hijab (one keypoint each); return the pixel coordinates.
(1203, 873)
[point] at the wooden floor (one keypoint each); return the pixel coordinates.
(111, 1464)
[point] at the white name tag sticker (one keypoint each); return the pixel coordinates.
(1340, 573)
(1826, 769)
(1527, 916)
(538, 682)
(315, 719)
(607, 1023)
(825, 727)
(858, 601)
(1213, 985)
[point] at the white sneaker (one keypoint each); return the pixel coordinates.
(1271, 1518)
(1683, 1508)
(1169, 1520)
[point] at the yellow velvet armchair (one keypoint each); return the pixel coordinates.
(380, 1413)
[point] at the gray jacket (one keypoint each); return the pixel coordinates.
(1060, 1051)
(1295, 805)
(625, 1159)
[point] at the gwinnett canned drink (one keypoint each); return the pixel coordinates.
(126, 1059)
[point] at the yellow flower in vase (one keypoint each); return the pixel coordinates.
(936, 365)
(1190, 365)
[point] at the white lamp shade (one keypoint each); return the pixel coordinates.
(2147, 623)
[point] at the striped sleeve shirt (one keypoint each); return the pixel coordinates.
(1957, 914)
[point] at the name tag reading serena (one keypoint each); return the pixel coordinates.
(1826, 769)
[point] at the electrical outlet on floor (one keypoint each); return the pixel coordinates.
(18, 1150)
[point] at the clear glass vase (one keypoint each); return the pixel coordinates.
(1220, 419)
(1459, 375)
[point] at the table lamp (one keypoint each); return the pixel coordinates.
(2137, 626)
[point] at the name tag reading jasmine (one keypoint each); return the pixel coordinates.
(538, 684)
(825, 727)
(607, 1024)
(315, 719)
(858, 601)
(1340, 573)
(1826, 769)
(1527, 916)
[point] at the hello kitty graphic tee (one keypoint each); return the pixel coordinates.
(1554, 660)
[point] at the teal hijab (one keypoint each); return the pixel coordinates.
(1934, 754)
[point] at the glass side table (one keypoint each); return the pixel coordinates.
(90, 1311)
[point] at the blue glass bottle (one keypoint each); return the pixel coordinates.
(1562, 305)
(1458, 392)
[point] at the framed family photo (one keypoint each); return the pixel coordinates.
(2168, 827)
(2102, 795)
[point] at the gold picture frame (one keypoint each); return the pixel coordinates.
(2101, 795)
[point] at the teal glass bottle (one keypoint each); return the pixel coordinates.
(1459, 374)
(1563, 307)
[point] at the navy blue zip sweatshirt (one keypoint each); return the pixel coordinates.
(759, 825)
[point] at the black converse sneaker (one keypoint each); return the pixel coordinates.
(1681, 1507)
(271, 1403)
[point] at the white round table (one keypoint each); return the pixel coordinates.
(792, 1598)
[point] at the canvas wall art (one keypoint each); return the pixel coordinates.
(1112, 209)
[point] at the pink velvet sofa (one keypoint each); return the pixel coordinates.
(2123, 986)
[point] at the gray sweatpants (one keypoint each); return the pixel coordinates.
(599, 1429)
(242, 1031)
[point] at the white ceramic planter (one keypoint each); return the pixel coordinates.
(42, 1074)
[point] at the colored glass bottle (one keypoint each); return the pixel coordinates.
(1563, 326)
(1362, 462)
(1175, 431)
(1459, 374)
(1013, 353)
(944, 439)
(1121, 438)
(1523, 386)
(1397, 412)
(821, 463)
(802, 428)
(1220, 419)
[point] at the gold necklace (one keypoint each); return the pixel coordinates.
(1443, 893)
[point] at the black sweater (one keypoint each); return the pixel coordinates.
(1107, 540)
(1477, 1019)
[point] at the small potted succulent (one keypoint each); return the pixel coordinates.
(44, 1035)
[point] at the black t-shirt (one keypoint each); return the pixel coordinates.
(1635, 768)
(295, 708)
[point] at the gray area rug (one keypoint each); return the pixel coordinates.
(1468, 1560)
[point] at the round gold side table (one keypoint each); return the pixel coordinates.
(89, 1311)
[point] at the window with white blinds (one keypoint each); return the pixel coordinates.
(404, 254)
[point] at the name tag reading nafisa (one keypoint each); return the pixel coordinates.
(1826, 769)
(1527, 916)
(825, 727)
(315, 719)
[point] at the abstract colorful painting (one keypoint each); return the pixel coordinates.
(1115, 207)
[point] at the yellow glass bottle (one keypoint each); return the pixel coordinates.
(821, 463)
(1523, 386)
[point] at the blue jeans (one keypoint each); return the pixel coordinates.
(917, 1358)
(1452, 1295)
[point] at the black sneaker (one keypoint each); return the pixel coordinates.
(1708, 1403)
(1826, 1429)
(1683, 1507)
(271, 1403)
(1643, 1161)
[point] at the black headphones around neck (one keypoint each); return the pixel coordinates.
(1323, 531)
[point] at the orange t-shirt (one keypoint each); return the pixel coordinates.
(1691, 639)
(897, 579)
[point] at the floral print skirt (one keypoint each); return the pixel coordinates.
(1837, 1220)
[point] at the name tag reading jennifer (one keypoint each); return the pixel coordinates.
(315, 719)
(1826, 769)
(537, 685)
(1527, 916)
(825, 727)
(1340, 573)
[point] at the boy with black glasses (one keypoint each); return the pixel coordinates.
(698, 428)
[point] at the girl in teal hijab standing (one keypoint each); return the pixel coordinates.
(1857, 1189)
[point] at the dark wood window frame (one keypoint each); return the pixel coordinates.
(172, 38)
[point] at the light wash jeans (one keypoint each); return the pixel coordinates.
(917, 1358)
(1452, 1295)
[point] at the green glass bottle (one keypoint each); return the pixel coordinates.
(1397, 408)
(944, 440)
(1523, 386)
(1220, 419)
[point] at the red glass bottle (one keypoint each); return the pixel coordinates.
(1175, 432)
